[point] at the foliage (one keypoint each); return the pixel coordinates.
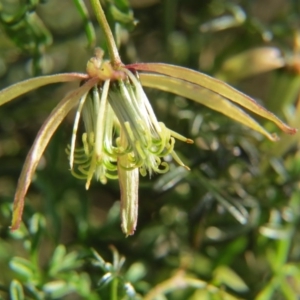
(226, 229)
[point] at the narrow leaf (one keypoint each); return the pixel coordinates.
(214, 85)
(22, 266)
(87, 23)
(25, 86)
(225, 275)
(16, 290)
(203, 96)
(41, 141)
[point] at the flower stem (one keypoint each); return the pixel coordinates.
(111, 45)
(114, 289)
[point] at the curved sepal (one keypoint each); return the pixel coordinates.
(25, 86)
(41, 141)
(129, 184)
(205, 97)
(214, 85)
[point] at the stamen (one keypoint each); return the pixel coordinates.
(129, 131)
(120, 127)
(75, 127)
(181, 137)
(140, 150)
(100, 124)
(85, 144)
(78, 176)
(178, 160)
(169, 148)
(164, 170)
(141, 95)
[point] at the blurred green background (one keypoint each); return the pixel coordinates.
(227, 229)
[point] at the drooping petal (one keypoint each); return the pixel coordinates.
(214, 85)
(25, 86)
(203, 96)
(129, 183)
(43, 137)
(129, 186)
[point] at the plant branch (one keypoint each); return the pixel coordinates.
(111, 45)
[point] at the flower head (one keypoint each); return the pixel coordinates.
(122, 134)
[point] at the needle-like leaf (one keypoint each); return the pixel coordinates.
(25, 86)
(42, 139)
(214, 85)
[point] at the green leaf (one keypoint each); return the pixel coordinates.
(170, 179)
(57, 289)
(119, 16)
(22, 266)
(83, 285)
(105, 280)
(36, 228)
(100, 261)
(16, 290)
(268, 291)
(287, 289)
(63, 261)
(129, 290)
(57, 259)
(87, 23)
(42, 139)
(227, 276)
(212, 84)
(37, 224)
(136, 272)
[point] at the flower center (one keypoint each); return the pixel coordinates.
(120, 123)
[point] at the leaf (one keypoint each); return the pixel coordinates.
(203, 96)
(87, 23)
(62, 261)
(41, 141)
(170, 179)
(129, 290)
(105, 280)
(100, 260)
(22, 266)
(227, 276)
(289, 292)
(268, 291)
(58, 289)
(234, 208)
(214, 85)
(83, 285)
(25, 86)
(36, 228)
(136, 272)
(16, 290)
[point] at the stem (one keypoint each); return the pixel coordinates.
(111, 45)
(114, 289)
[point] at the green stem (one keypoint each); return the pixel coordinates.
(114, 289)
(111, 45)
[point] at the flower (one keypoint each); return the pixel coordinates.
(122, 134)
